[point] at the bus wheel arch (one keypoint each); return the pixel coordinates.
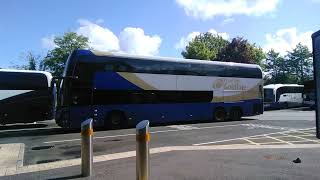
(235, 113)
(116, 119)
(219, 114)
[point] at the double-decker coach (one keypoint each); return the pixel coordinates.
(120, 90)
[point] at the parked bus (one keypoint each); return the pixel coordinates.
(25, 96)
(121, 90)
(282, 96)
(309, 94)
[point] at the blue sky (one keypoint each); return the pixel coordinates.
(153, 27)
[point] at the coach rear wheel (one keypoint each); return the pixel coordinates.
(116, 120)
(235, 114)
(219, 114)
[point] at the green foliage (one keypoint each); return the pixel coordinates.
(205, 46)
(276, 66)
(32, 59)
(32, 62)
(296, 67)
(208, 46)
(300, 63)
(55, 59)
(241, 51)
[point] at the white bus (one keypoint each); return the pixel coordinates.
(120, 90)
(25, 96)
(283, 95)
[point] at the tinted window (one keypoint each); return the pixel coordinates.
(268, 95)
(145, 97)
(20, 80)
(121, 64)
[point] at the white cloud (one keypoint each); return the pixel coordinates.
(99, 38)
(134, 41)
(224, 35)
(185, 40)
(206, 9)
(286, 39)
(227, 21)
(48, 42)
(131, 40)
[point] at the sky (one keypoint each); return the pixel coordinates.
(152, 27)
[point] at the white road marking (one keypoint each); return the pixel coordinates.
(298, 137)
(279, 140)
(152, 132)
(183, 127)
(253, 126)
(251, 142)
(214, 142)
(116, 156)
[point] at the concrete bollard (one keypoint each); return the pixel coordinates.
(142, 151)
(86, 148)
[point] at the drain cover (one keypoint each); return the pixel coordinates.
(47, 161)
(41, 147)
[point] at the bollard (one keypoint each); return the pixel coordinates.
(142, 152)
(86, 148)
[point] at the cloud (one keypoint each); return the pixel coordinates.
(286, 39)
(184, 41)
(227, 21)
(48, 42)
(131, 40)
(224, 35)
(134, 41)
(206, 9)
(99, 38)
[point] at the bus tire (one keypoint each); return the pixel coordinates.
(116, 120)
(219, 114)
(235, 114)
(285, 105)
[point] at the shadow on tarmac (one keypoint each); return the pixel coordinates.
(36, 132)
(67, 177)
(22, 126)
(28, 131)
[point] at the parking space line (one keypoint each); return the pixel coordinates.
(152, 132)
(251, 141)
(303, 138)
(279, 140)
(300, 141)
(270, 143)
(305, 133)
(213, 142)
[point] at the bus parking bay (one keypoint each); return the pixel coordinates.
(288, 128)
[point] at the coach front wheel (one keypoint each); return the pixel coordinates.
(116, 120)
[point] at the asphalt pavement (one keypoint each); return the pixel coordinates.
(46, 143)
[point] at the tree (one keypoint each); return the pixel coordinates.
(32, 60)
(205, 46)
(277, 69)
(300, 63)
(55, 59)
(241, 51)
